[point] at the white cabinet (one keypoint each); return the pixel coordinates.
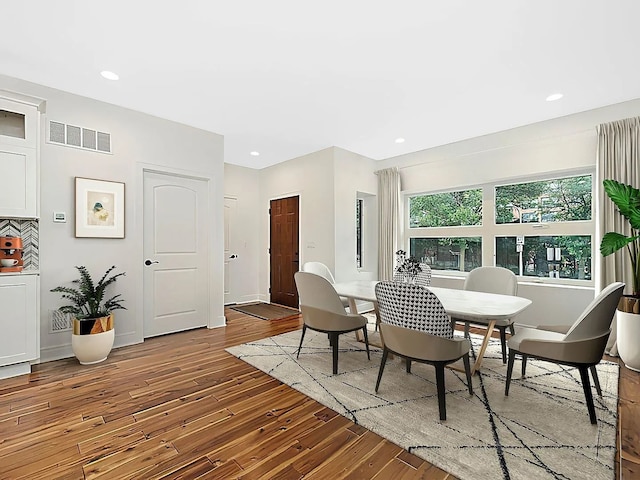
(18, 159)
(18, 195)
(19, 319)
(19, 121)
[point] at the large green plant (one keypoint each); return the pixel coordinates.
(88, 299)
(627, 199)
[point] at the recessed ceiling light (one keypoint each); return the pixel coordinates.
(554, 97)
(109, 75)
(399, 140)
(254, 153)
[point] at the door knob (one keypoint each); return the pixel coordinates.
(149, 262)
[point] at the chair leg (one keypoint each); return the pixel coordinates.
(503, 343)
(334, 344)
(440, 386)
(586, 386)
(304, 330)
(512, 329)
(408, 362)
(385, 354)
(467, 371)
(524, 365)
(512, 357)
(466, 330)
(596, 380)
(366, 341)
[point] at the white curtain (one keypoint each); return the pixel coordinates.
(618, 158)
(388, 220)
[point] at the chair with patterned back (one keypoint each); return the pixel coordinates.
(415, 326)
(423, 277)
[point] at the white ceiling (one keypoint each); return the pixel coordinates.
(290, 77)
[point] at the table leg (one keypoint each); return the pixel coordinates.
(483, 347)
(375, 309)
(354, 309)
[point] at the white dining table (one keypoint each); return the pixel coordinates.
(460, 304)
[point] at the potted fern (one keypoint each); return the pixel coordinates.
(93, 328)
(627, 199)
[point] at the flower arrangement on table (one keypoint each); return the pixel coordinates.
(407, 268)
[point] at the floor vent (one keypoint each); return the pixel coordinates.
(79, 137)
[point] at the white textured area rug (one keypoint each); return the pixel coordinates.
(540, 431)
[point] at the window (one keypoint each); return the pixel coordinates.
(359, 233)
(567, 256)
(540, 229)
(557, 200)
(446, 209)
(453, 253)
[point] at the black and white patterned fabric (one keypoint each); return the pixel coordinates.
(422, 278)
(412, 306)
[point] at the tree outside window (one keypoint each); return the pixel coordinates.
(557, 200)
(446, 209)
(448, 253)
(574, 261)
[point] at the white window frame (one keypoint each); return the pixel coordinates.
(489, 230)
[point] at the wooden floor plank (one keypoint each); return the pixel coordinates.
(179, 406)
(134, 460)
(258, 445)
(349, 459)
(375, 463)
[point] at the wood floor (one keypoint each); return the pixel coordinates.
(179, 406)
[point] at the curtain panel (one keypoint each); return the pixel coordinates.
(388, 220)
(618, 158)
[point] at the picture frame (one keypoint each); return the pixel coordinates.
(99, 208)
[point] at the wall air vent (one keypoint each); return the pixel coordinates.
(79, 137)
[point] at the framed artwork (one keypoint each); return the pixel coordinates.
(99, 208)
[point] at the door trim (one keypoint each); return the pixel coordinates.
(143, 168)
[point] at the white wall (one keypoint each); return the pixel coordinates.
(311, 178)
(555, 146)
(243, 184)
(327, 182)
(137, 139)
(353, 173)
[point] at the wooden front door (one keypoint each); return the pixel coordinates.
(284, 258)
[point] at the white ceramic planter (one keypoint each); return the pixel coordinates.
(94, 348)
(92, 341)
(628, 339)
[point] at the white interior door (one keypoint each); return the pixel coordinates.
(176, 253)
(231, 249)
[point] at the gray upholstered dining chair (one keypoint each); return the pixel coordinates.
(417, 328)
(322, 311)
(582, 346)
(492, 280)
(319, 268)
